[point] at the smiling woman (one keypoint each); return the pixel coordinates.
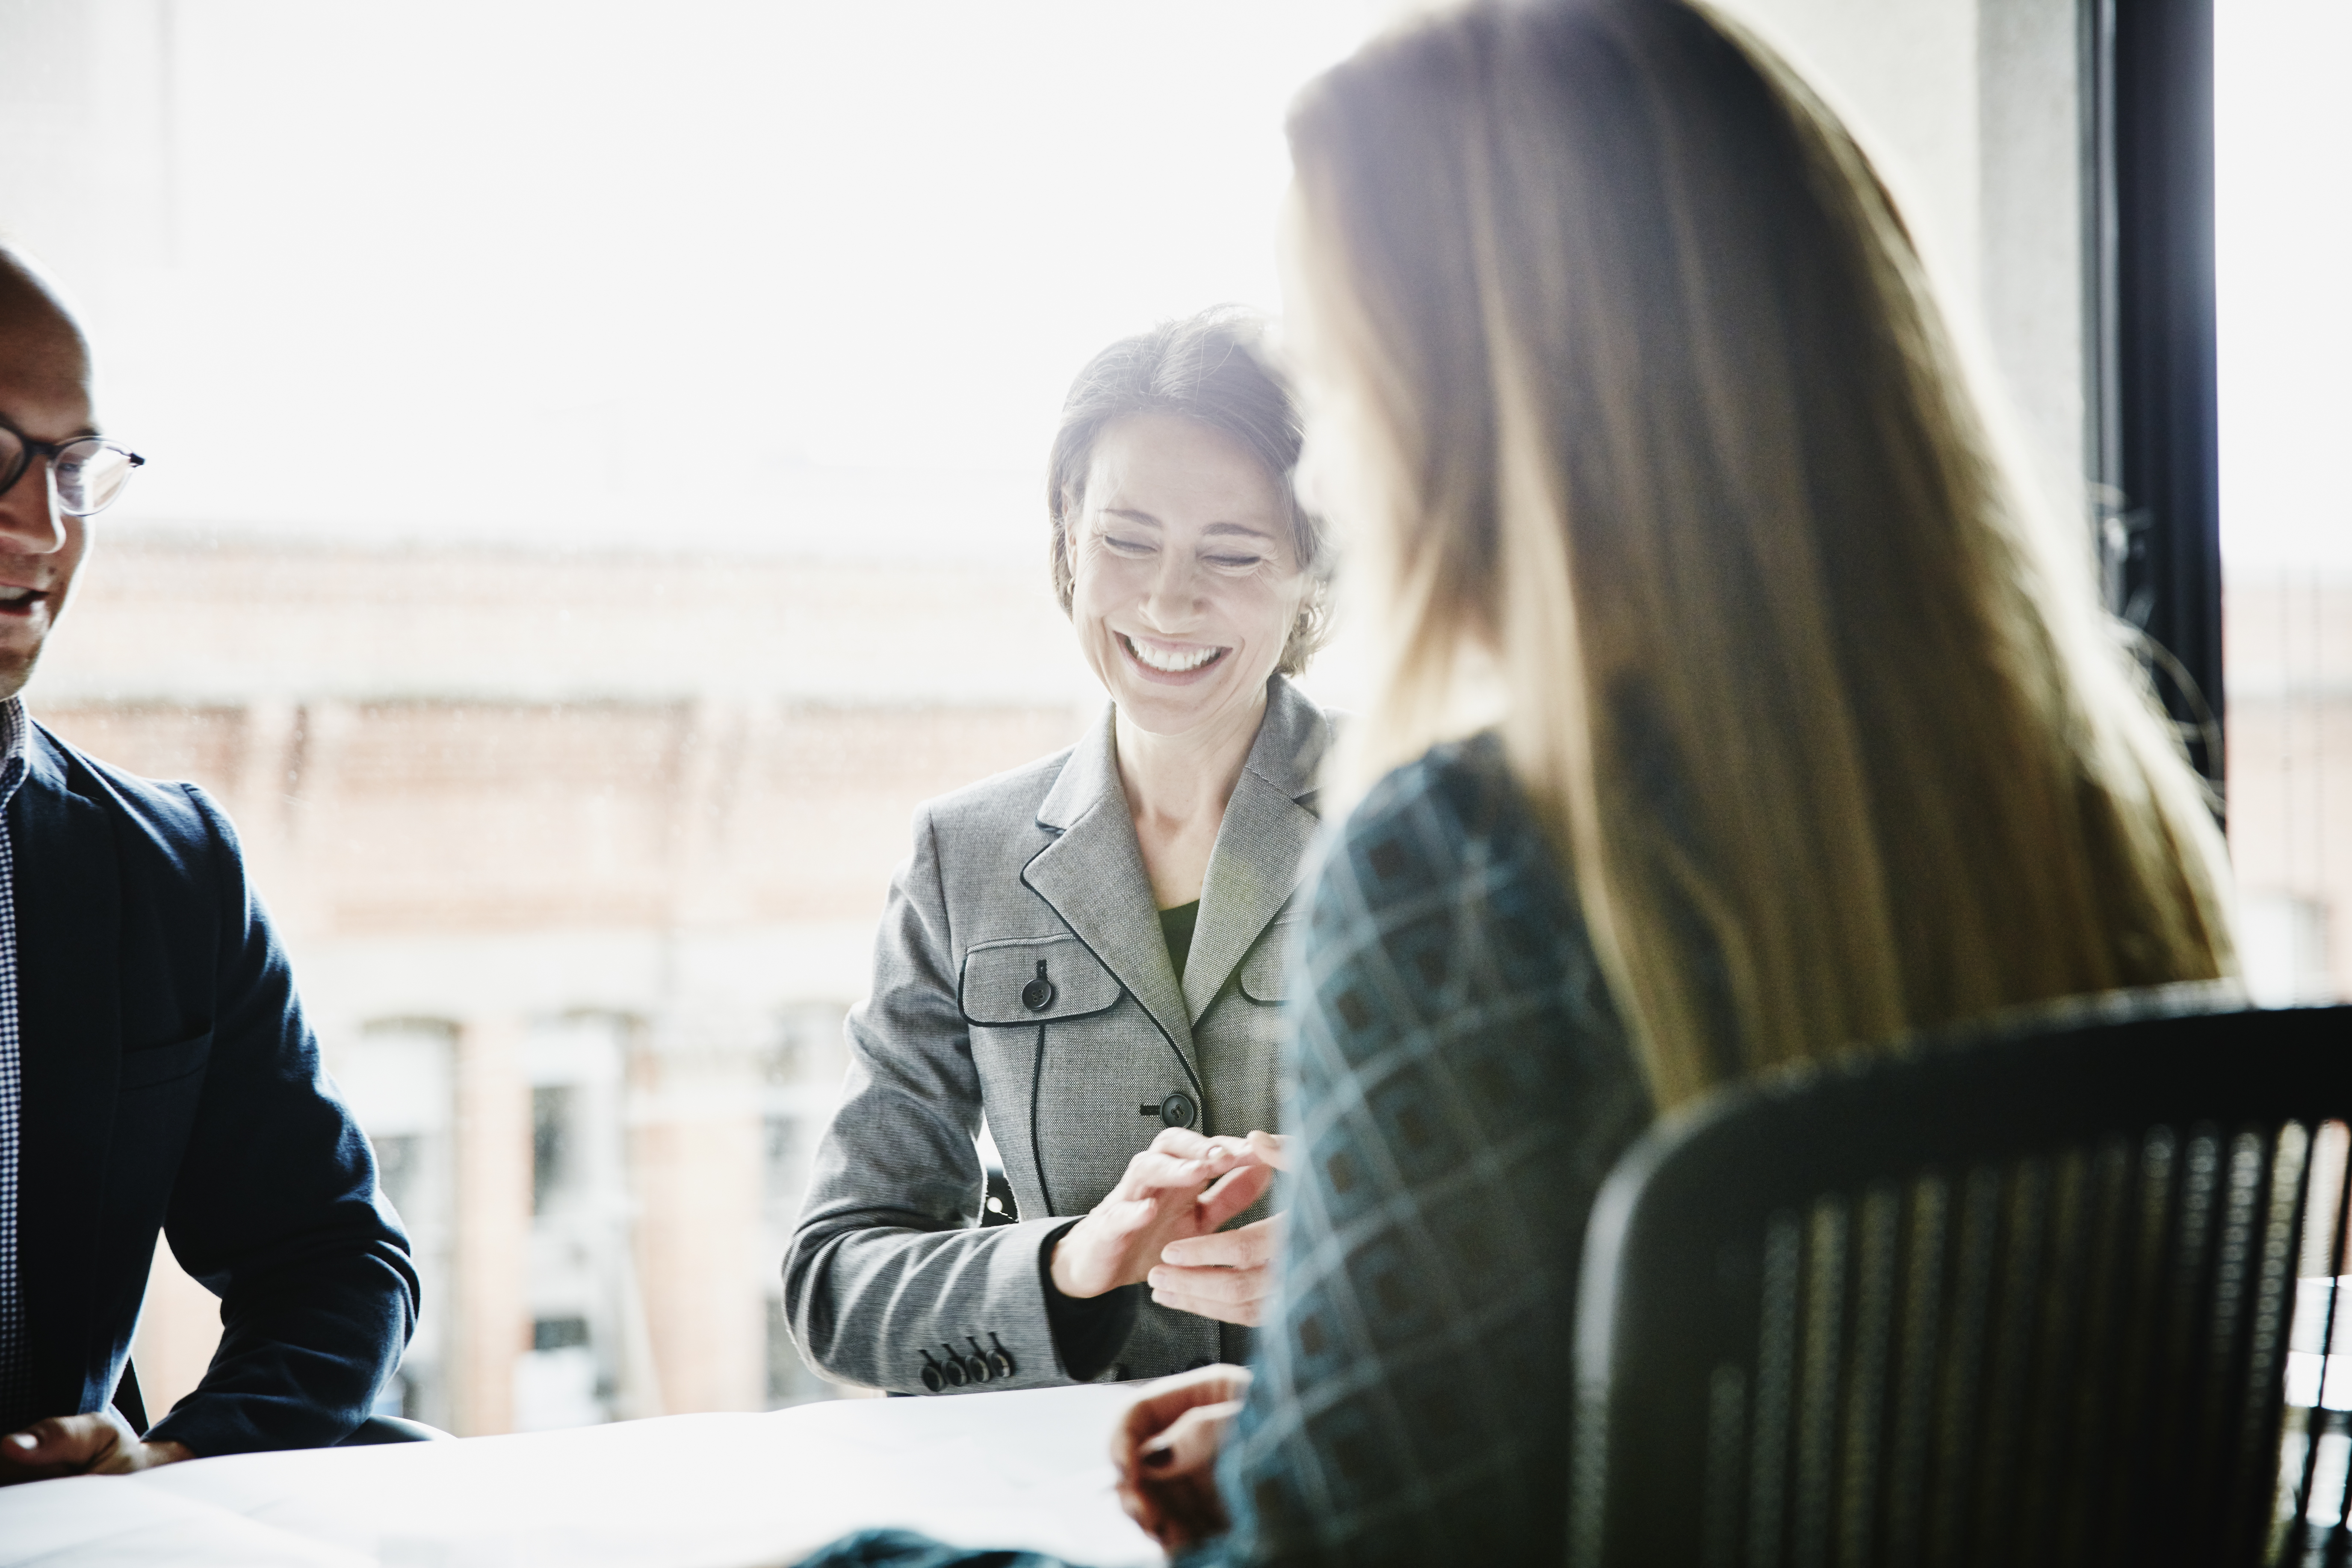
(1187, 591)
(1088, 954)
(1162, 400)
(1183, 541)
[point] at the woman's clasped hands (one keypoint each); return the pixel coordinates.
(1161, 1226)
(1166, 1450)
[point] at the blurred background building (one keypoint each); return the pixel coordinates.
(594, 496)
(578, 860)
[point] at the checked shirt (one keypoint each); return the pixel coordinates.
(1462, 1088)
(15, 730)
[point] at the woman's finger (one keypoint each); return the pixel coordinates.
(1163, 1404)
(1235, 1192)
(1250, 1247)
(1181, 1141)
(1159, 1406)
(1248, 1314)
(1152, 1178)
(1233, 1285)
(1212, 1287)
(1186, 1144)
(1181, 1157)
(1152, 1173)
(1274, 1147)
(1189, 1447)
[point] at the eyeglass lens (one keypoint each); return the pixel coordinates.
(89, 474)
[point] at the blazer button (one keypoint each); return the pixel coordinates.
(1038, 994)
(1177, 1109)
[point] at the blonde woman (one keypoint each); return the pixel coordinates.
(1623, 386)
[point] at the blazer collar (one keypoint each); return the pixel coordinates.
(69, 1031)
(1086, 780)
(1260, 854)
(1093, 872)
(1292, 739)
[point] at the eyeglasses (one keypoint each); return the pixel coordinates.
(89, 472)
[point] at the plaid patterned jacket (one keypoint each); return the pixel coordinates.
(1461, 1087)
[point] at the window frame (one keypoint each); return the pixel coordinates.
(2152, 398)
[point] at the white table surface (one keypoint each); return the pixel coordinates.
(1028, 1470)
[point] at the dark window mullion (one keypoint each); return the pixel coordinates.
(2154, 440)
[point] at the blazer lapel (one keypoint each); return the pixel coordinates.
(1261, 849)
(1093, 876)
(69, 1033)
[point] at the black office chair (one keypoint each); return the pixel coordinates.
(2021, 1299)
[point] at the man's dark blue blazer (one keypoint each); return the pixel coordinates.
(169, 1082)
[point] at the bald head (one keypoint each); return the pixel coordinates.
(44, 402)
(35, 322)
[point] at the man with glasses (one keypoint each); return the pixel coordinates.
(155, 1072)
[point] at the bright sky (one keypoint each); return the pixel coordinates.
(2283, 228)
(806, 277)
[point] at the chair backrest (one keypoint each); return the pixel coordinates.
(2024, 1299)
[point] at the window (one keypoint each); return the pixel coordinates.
(572, 728)
(2282, 149)
(578, 720)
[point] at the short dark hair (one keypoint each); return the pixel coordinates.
(1208, 368)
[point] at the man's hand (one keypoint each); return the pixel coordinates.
(1165, 1451)
(1227, 1275)
(99, 1445)
(1183, 1186)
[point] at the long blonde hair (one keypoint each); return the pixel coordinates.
(1645, 401)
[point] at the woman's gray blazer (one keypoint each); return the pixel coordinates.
(1036, 875)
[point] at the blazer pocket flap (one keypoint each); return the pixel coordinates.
(161, 1063)
(1041, 980)
(1264, 974)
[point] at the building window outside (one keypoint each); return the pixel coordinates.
(801, 1084)
(552, 1114)
(398, 1076)
(2282, 155)
(590, 1359)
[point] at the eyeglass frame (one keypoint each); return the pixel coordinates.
(50, 451)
